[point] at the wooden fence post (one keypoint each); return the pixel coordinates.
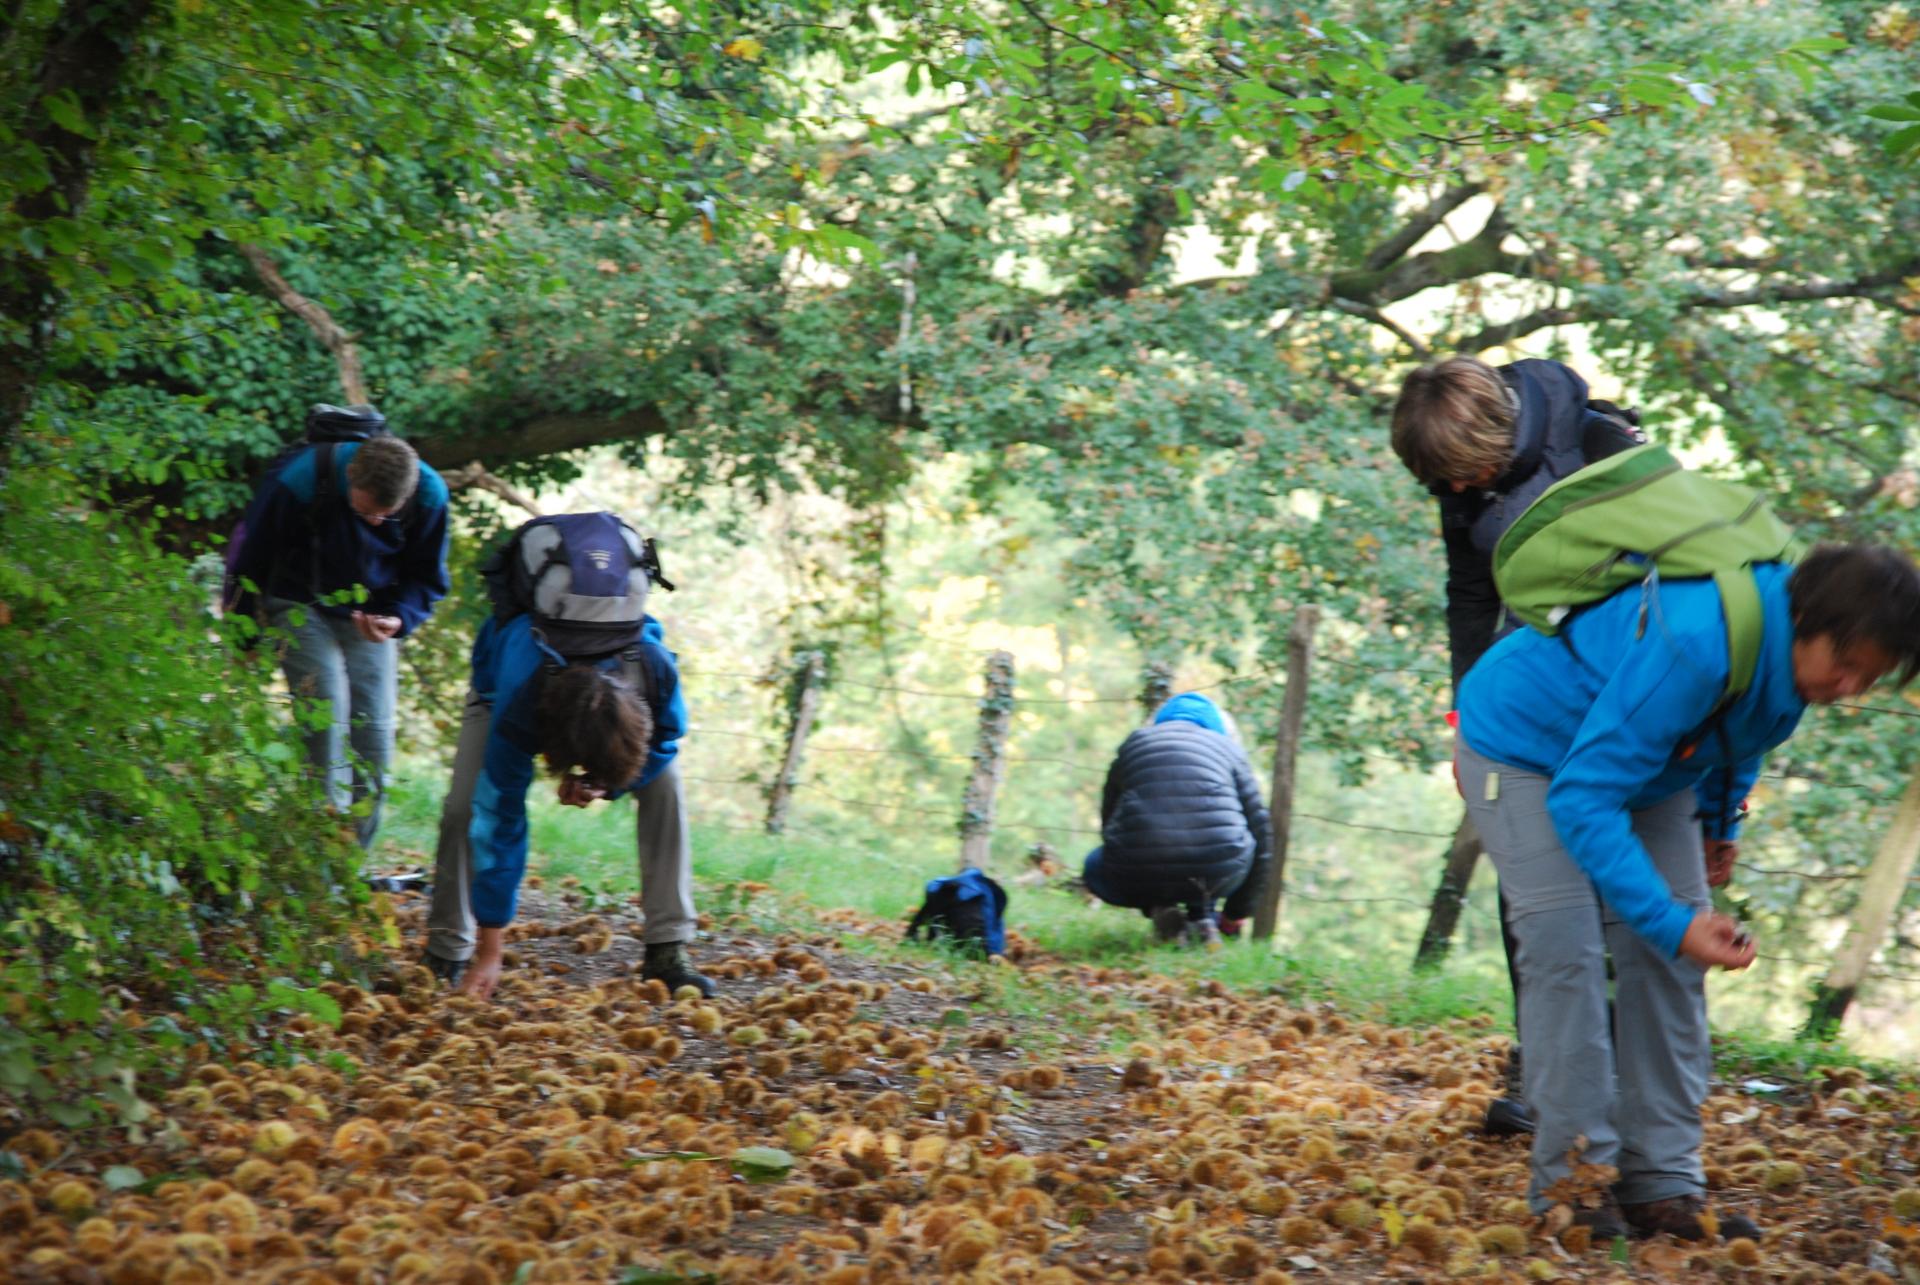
(989, 761)
(809, 669)
(1444, 915)
(1157, 685)
(1286, 750)
(1879, 900)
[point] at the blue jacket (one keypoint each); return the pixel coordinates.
(289, 539)
(507, 658)
(1617, 721)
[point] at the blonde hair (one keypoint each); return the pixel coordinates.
(1453, 422)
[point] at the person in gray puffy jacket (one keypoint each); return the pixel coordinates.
(1182, 825)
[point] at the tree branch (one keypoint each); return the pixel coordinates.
(1469, 259)
(1382, 320)
(1508, 331)
(336, 341)
(1421, 224)
(475, 474)
(542, 435)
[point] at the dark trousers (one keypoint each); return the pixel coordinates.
(1147, 889)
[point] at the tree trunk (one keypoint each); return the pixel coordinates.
(989, 760)
(1444, 917)
(1879, 900)
(813, 667)
(1293, 711)
(82, 64)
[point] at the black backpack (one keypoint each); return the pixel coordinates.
(968, 910)
(327, 426)
(583, 577)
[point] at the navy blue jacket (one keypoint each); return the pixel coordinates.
(290, 538)
(1552, 437)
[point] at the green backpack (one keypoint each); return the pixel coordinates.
(1640, 516)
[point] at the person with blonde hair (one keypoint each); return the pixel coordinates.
(1486, 441)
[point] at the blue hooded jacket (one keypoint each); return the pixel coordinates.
(507, 659)
(1617, 717)
(403, 564)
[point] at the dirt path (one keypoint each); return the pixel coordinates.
(922, 1124)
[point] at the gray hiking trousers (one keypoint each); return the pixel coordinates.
(325, 659)
(665, 849)
(1636, 1097)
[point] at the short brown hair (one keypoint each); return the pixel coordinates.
(1860, 592)
(592, 719)
(387, 469)
(1453, 422)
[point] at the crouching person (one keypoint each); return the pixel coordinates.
(605, 725)
(1182, 825)
(1591, 763)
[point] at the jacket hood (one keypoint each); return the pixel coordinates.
(1192, 707)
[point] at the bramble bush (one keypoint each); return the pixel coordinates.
(167, 883)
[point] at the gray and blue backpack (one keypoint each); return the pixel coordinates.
(583, 577)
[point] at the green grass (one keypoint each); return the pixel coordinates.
(1322, 951)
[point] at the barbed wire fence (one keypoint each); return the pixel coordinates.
(787, 783)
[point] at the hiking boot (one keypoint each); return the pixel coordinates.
(1202, 934)
(1605, 1223)
(1686, 1218)
(447, 970)
(1169, 923)
(666, 962)
(1508, 1117)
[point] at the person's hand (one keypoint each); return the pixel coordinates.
(483, 970)
(1721, 854)
(578, 791)
(1716, 939)
(374, 628)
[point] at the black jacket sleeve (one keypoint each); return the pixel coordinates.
(1473, 604)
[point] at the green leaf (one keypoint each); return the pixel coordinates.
(1903, 140)
(1818, 45)
(1619, 1252)
(122, 1178)
(63, 109)
(762, 1164)
(1257, 91)
(1894, 111)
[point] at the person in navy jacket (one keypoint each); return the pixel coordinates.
(1608, 793)
(604, 728)
(378, 524)
(1486, 442)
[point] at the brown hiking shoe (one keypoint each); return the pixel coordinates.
(1605, 1223)
(1688, 1218)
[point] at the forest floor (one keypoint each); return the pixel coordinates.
(843, 1112)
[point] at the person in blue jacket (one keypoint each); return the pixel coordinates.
(1182, 825)
(1608, 793)
(604, 729)
(378, 523)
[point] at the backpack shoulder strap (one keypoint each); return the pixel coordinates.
(1740, 603)
(323, 484)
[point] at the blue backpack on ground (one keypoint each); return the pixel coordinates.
(968, 910)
